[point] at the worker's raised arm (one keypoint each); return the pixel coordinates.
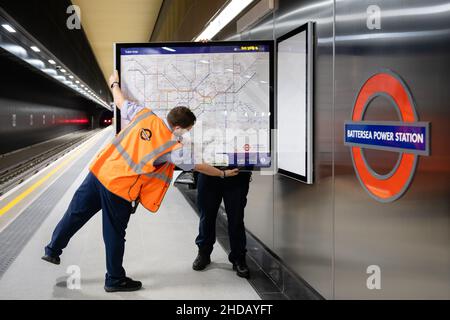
(114, 84)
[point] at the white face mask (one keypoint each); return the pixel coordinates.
(179, 132)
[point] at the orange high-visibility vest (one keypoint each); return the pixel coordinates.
(125, 167)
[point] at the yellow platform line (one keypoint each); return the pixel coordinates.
(24, 194)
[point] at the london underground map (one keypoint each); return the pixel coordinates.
(227, 87)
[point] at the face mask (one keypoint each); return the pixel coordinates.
(179, 132)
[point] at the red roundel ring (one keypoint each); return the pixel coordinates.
(391, 187)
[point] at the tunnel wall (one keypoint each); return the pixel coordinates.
(35, 108)
(24, 123)
(331, 232)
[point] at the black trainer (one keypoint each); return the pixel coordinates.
(126, 285)
(242, 269)
(54, 260)
(201, 262)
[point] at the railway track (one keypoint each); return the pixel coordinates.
(17, 173)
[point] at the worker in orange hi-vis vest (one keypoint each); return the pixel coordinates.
(136, 167)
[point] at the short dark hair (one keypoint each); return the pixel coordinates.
(181, 117)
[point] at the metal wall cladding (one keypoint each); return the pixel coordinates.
(298, 224)
(331, 232)
(409, 238)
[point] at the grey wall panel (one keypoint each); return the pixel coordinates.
(259, 210)
(409, 238)
(304, 213)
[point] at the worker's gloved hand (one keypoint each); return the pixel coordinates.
(231, 173)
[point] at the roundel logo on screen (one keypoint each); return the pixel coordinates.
(408, 137)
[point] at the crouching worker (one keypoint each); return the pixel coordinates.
(137, 166)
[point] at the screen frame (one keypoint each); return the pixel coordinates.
(310, 46)
(269, 43)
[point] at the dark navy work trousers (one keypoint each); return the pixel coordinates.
(90, 198)
(233, 191)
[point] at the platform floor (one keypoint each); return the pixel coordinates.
(159, 250)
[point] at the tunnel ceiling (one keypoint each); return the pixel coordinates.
(46, 21)
(20, 81)
(108, 21)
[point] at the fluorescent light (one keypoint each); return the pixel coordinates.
(51, 72)
(169, 49)
(51, 61)
(77, 81)
(63, 70)
(231, 11)
(36, 63)
(71, 77)
(8, 28)
(204, 61)
(35, 49)
(15, 50)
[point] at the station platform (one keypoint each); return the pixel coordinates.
(159, 250)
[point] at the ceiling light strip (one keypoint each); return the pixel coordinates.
(229, 12)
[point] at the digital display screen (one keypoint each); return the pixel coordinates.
(226, 84)
(294, 105)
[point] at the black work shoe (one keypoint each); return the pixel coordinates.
(241, 269)
(126, 285)
(54, 260)
(201, 262)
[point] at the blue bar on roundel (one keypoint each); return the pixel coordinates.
(399, 137)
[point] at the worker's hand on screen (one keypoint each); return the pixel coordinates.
(114, 77)
(231, 173)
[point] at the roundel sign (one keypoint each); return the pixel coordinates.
(408, 137)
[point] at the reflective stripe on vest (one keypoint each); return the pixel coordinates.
(139, 167)
(125, 167)
(160, 176)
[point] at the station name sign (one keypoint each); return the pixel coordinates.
(390, 136)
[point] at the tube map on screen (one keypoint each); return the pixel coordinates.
(227, 87)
